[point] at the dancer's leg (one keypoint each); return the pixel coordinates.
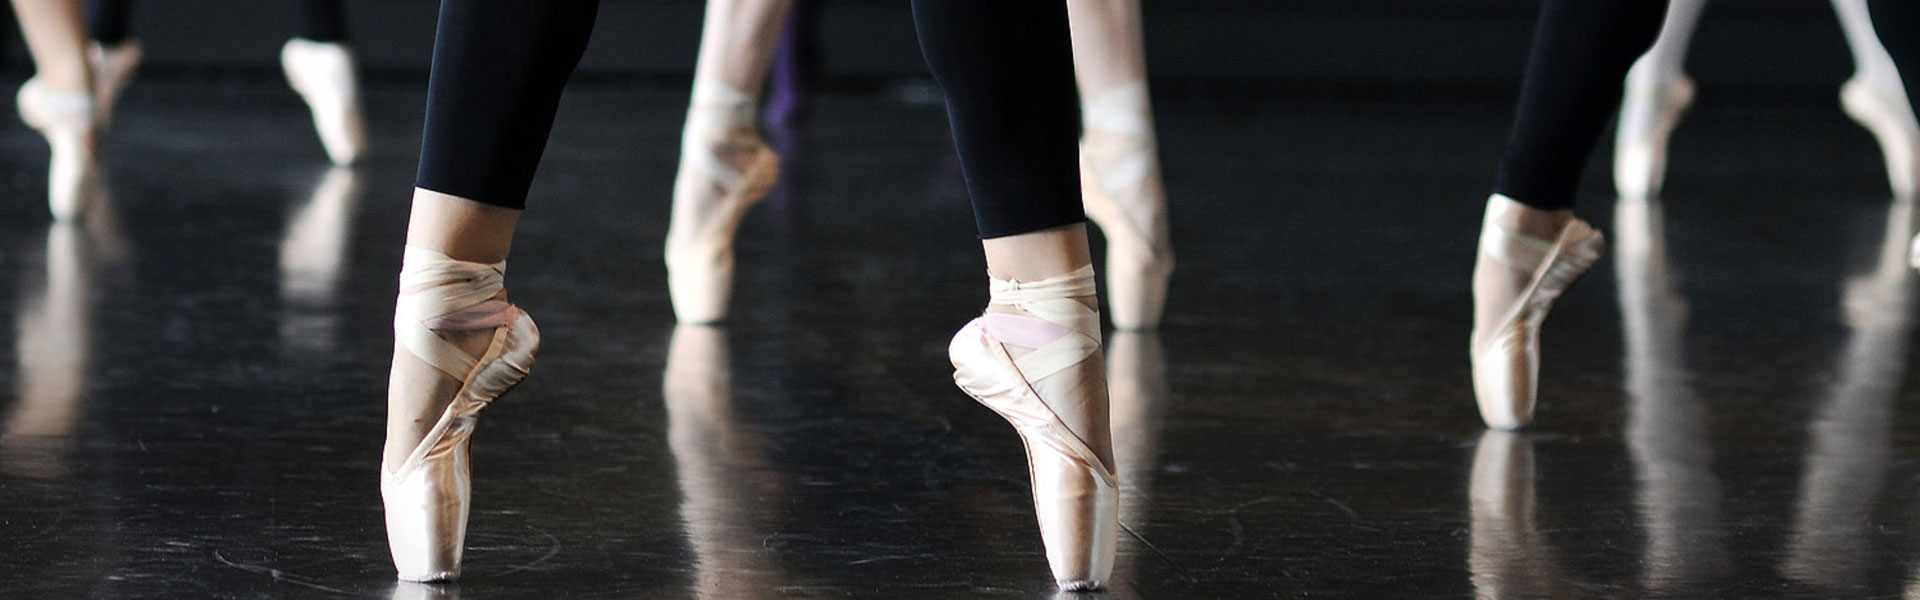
(58, 101)
(115, 54)
(1658, 92)
(724, 166)
(1006, 68)
(1120, 165)
(1531, 246)
(319, 65)
(498, 71)
(1874, 98)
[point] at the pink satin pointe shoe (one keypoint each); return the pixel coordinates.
(1506, 359)
(1075, 492)
(69, 121)
(113, 69)
(323, 74)
(1120, 184)
(1884, 111)
(427, 495)
(1651, 110)
(710, 195)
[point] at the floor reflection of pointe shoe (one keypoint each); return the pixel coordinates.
(315, 245)
(1651, 110)
(1075, 492)
(1886, 113)
(1124, 196)
(1506, 360)
(1508, 556)
(52, 345)
(1138, 393)
(323, 74)
(699, 251)
(113, 69)
(408, 590)
(428, 494)
(67, 120)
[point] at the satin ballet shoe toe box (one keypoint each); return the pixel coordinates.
(1505, 373)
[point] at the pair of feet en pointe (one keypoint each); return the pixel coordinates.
(74, 120)
(1528, 256)
(1034, 357)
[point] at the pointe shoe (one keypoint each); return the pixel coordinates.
(323, 74)
(699, 252)
(1648, 116)
(1075, 493)
(68, 121)
(1887, 114)
(1506, 360)
(428, 494)
(1120, 185)
(113, 69)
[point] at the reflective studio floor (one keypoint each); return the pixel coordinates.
(193, 393)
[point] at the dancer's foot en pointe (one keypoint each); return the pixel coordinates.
(1527, 258)
(1034, 358)
(69, 121)
(323, 74)
(1655, 100)
(1882, 107)
(1120, 176)
(113, 68)
(461, 337)
(724, 169)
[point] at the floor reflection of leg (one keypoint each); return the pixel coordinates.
(54, 332)
(1509, 557)
(1138, 393)
(1678, 495)
(311, 254)
(728, 486)
(1848, 455)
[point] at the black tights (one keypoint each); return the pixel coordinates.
(110, 22)
(1006, 66)
(1581, 52)
(498, 69)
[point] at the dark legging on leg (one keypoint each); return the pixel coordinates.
(498, 69)
(110, 22)
(1006, 67)
(1581, 52)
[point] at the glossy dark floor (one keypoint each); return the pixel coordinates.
(194, 393)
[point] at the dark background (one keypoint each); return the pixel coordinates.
(1766, 46)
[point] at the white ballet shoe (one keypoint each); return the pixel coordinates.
(1120, 184)
(710, 195)
(428, 494)
(323, 74)
(1653, 105)
(68, 121)
(1885, 112)
(113, 69)
(1506, 359)
(1075, 493)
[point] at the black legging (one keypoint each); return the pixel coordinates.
(1581, 52)
(1006, 65)
(110, 22)
(498, 69)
